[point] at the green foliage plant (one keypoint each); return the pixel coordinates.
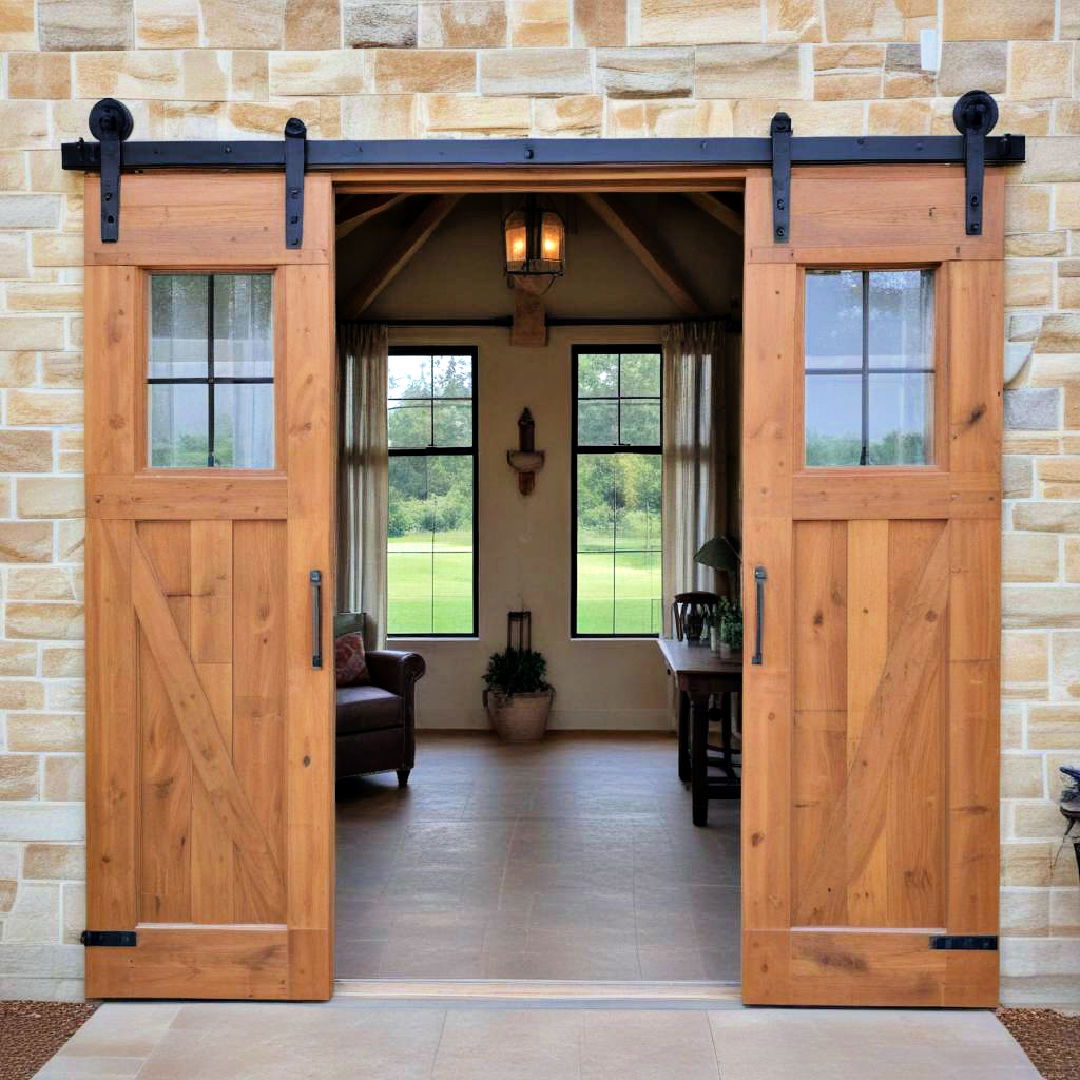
(516, 671)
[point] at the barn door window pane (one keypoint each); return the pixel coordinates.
(211, 371)
(869, 367)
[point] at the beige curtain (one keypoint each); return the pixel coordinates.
(701, 448)
(362, 476)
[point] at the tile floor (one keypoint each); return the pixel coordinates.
(343, 1039)
(574, 858)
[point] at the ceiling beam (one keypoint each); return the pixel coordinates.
(646, 250)
(354, 210)
(397, 257)
(717, 210)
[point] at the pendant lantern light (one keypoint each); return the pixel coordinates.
(534, 239)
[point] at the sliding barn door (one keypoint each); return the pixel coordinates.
(871, 450)
(209, 373)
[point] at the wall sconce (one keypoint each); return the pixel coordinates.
(534, 239)
(527, 460)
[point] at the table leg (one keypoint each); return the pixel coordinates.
(684, 736)
(699, 759)
(727, 710)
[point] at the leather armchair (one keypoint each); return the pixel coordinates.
(375, 722)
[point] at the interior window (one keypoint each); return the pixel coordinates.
(211, 371)
(869, 367)
(431, 542)
(616, 590)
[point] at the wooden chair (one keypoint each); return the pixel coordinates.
(688, 611)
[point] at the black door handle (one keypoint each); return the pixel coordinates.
(315, 577)
(760, 577)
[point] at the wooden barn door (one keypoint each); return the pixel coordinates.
(871, 450)
(209, 443)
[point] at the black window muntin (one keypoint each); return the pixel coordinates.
(472, 352)
(598, 448)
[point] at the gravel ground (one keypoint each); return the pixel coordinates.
(32, 1031)
(1050, 1039)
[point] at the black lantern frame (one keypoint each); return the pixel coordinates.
(534, 240)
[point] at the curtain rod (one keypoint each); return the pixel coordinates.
(506, 321)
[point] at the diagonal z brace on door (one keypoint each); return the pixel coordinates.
(295, 154)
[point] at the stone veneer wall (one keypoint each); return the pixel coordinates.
(397, 68)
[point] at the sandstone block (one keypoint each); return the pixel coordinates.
(18, 658)
(249, 76)
(373, 23)
(537, 72)
(1069, 293)
(56, 249)
(998, 20)
(1029, 283)
(669, 119)
(599, 22)
(70, 537)
(1065, 668)
(35, 915)
(1039, 69)
(54, 862)
(1070, 18)
(18, 776)
(580, 115)
(72, 912)
(1027, 208)
(44, 583)
(875, 20)
(399, 71)
(1027, 557)
(1047, 517)
(463, 24)
(255, 24)
(381, 116)
(44, 732)
(539, 22)
(39, 75)
(1016, 480)
(1035, 245)
(1060, 333)
(1035, 607)
(37, 822)
(752, 117)
(49, 497)
(793, 20)
(1067, 118)
(26, 541)
(695, 22)
(44, 297)
(1021, 776)
(301, 74)
(65, 696)
(44, 407)
(322, 114)
(751, 71)
(31, 332)
(153, 74)
(645, 73)
(167, 24)
(1051, 160)
(65, 778)
(205, 74)
(1032, 864)
(449, 114)
(1067, 206)
(62, 661)
(1024, 913)
(24, 125)
(64, 26)
(1036, 819)
(901, 117)
(1064, 913)
(21, 694)
(14, 261)
(1053, 727)
(17, 29)
(965, 64)
(847, 86)
(1025, 657)
(313, 24)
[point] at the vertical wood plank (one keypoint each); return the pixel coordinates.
(212, 859)
(868, 646)
(309, 385)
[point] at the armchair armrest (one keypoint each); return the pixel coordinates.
(395, 671)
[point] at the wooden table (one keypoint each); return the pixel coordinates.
(699, 674)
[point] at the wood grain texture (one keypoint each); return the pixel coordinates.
(882, 723)
(209, 737)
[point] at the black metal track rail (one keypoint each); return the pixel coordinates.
(111, 123)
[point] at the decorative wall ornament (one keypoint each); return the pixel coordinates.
(526, 459)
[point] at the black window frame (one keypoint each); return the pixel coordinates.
(864, 371)
(473, 451)
(212, 379)
(577, 449)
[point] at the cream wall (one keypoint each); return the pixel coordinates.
(360, 69)
(525, 552)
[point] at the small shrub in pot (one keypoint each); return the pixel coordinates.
(518, 698)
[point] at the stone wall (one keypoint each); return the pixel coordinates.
(397, 68)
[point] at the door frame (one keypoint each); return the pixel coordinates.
(572, 167)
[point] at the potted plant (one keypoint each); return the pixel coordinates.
(729, 628)
(518, 698)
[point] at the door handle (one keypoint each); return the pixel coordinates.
(315, 577)
(760, 577)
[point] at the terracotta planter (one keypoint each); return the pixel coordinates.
(519, 717)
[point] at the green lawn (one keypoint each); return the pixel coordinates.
(432, 593)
